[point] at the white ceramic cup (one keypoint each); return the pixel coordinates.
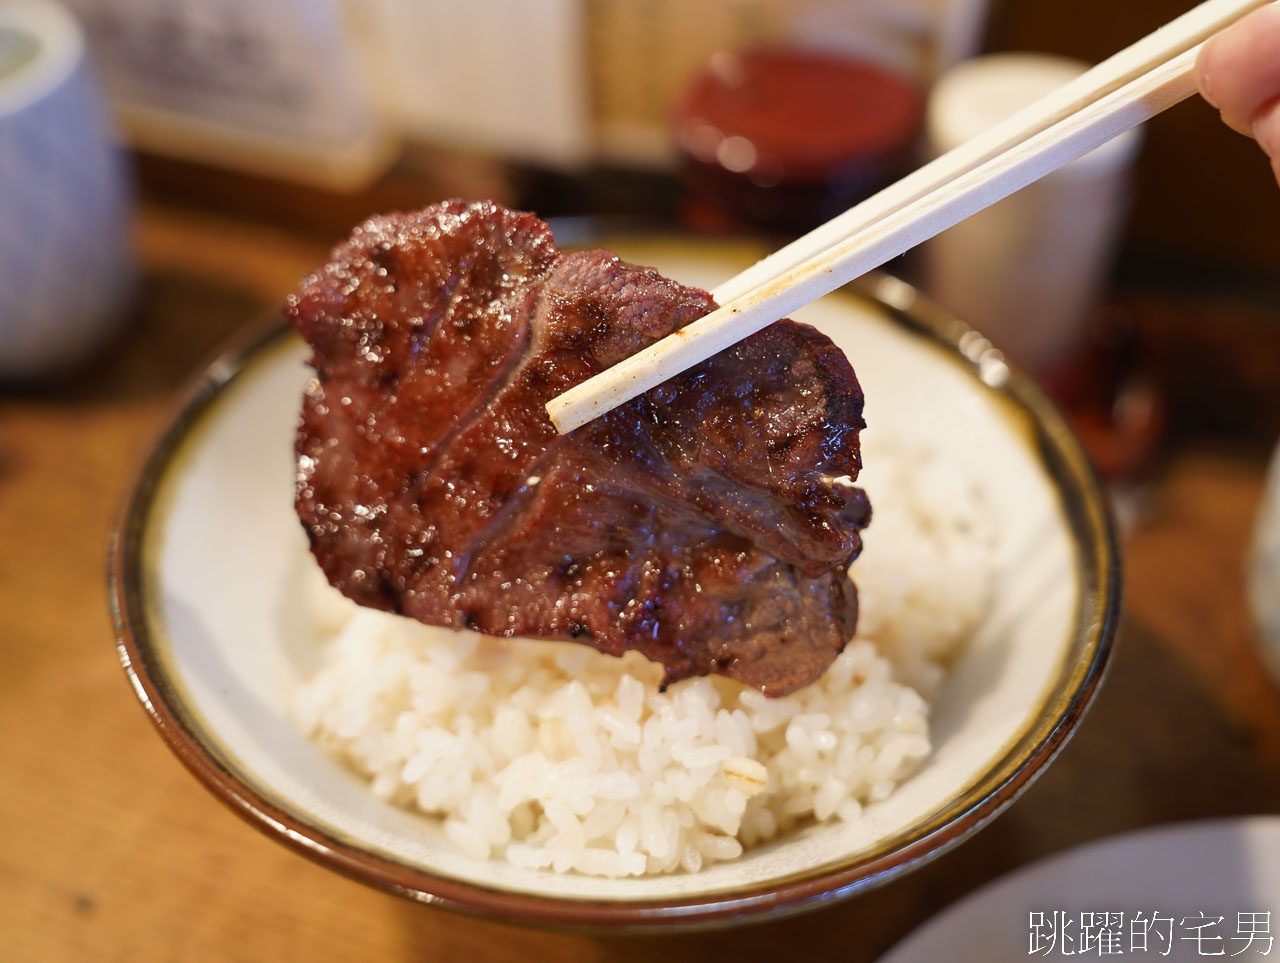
(66, 264)
(1027, 270)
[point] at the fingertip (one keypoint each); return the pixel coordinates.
(1204, 75)
(1238, 70)
(1208, 73)
(1266, 129)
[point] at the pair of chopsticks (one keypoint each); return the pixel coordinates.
(1120, 93)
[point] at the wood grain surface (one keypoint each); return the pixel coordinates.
(109, 850)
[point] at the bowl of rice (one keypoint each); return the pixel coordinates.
(546, 783)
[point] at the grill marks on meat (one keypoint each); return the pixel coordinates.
(697, 524)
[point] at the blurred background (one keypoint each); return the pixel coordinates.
(560, 100)
(734, 116)
(170, 170)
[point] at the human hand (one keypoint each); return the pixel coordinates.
(1239, 73)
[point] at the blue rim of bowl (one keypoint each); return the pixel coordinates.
(1098, 564)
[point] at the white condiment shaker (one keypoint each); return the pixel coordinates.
(1027, 270)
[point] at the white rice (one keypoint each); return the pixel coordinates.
(551, 755)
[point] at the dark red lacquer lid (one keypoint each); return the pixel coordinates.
(819, 130)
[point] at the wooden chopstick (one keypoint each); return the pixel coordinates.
(1119, 94)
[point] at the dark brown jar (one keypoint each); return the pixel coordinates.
(784, 139)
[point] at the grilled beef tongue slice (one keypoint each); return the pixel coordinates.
(702, 524)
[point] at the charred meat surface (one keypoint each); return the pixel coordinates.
(698, 523)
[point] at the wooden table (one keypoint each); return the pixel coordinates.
(109, 850)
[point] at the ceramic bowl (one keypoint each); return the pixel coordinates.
(207, 595)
